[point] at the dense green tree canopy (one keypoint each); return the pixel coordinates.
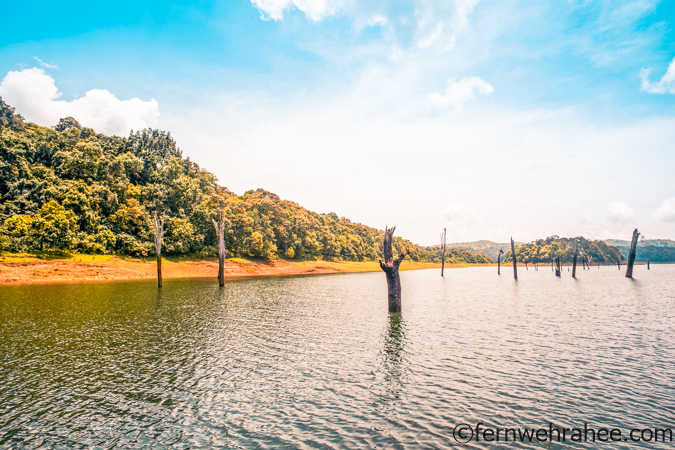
(69, 188)
(546, 250)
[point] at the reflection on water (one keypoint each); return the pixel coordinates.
(308, 362)
(393, 348)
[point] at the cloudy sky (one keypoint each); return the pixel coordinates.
(491, 118)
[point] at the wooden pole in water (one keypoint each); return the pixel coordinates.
(443, 251)
(574, 260)
(648, 265)
(159, 232)
(499, 260)
(515, 260)
(631, 255)
(390, 268)
(557, 266)
(222, 251)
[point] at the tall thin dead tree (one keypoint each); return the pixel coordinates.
(515, 259)
(631, 255)
(390, 268)
(499, 260)
(574, 260)
(222, 251)
(159, 233)
(443, 251)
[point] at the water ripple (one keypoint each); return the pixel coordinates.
(317, 362)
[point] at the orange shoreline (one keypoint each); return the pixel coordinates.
(30, 270)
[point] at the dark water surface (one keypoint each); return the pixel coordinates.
(307, 362)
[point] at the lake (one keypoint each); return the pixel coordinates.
(317, 361)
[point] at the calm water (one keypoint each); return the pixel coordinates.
(317, 362)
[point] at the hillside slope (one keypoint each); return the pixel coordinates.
(72, 189)
(655, 250)
(490, 248)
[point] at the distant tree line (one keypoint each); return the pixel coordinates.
(546, 250)
(653, 253)
(68, 188)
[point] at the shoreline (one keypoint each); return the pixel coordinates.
(31, 269)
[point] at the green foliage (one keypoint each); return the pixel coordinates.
(661, 250)
(457, 255)
(54, 227)
(69, 188)
(546, 250)
(67, 123)
(9, 118)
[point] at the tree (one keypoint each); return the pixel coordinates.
(54, 227)
(443, 251)
(9, 118)
(515, 260)
(499, 264)
(67, 123)
(631, 254)
(390, 268)
(222, 252)
(159, 232)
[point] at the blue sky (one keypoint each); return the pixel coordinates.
(326, 102)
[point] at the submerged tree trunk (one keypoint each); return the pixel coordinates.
(648, 265)
(499, 260)
(159, 232)
(443, 251)
(574, 261)
(631, 255)
(557, 267)
(222, 252)
(515, 260)
(390, 268)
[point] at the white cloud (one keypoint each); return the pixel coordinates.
(665, 85)
(459, 92)
(44, 64)
(407, 22)
(34, 95)
(666, 212)
(620, 212)
(313, 9)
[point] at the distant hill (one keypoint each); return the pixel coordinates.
(656, 250)
(646, 242)
(490, 248)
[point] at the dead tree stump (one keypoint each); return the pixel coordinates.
(515, 259)
(631, 255)
(557, 267)
(390, 268)
(443, 251)
(574, 260)
(499, 260)
(222, 252)
(159, 232)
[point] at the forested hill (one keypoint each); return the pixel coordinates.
(72, 189)
(545, 250)
(655, 250)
